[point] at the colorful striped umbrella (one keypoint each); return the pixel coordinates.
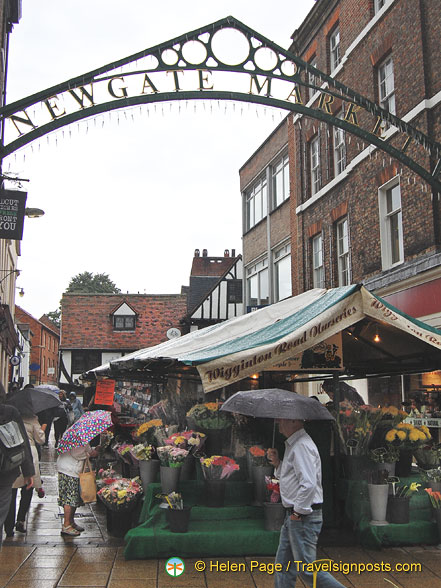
(88, 426)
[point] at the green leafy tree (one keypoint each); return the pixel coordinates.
(88, 282)
(55, 317)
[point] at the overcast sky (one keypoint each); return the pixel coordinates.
(132, 198)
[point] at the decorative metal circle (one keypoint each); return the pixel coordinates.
(230, 46)
(170, 57)
(265, 58)
(194, 52)
(288, 68)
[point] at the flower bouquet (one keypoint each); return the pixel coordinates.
(258, 456)
(272, 489)
(105, 477)
(174, 500)
(123, 451)
(435, 497)
(405, 491)
(142, 452)
(218, 467)
(106, 438)
(209, 416)
(407, 436)
(190, 440)
(122, 494)
(145, 432)
(170, 456)
(356, 426)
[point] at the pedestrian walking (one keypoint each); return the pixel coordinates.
(300, 477)
(77, 407)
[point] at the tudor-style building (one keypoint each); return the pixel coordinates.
(97, 328)
(356, 214)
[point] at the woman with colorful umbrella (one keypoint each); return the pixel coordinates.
(73, 450)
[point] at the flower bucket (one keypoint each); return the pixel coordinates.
(169, 479)
(178, 519)
(215, 492)
(258, 475)
(355, 466)
(188, 469)
(378, 495)
(389, 466)
(398, 510)
(273, 515)
(403, 467)
(148, 471)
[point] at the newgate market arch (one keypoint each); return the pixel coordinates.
(225, 60)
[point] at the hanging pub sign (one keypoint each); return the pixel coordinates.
(105, 390)
(12, 213)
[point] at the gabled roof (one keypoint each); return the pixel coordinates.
(120, 307)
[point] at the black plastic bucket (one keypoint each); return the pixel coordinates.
(178, 519)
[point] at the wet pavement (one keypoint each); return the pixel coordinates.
(42, 558)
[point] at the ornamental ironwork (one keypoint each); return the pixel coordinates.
(225, 60)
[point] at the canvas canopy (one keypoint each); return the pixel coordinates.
(275, 337)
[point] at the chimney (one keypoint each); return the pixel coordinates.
(204, 253)
(197, 253)
(226, 253)
(233, 253)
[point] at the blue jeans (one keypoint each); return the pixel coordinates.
(297, 545)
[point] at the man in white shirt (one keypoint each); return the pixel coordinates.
(300, 477)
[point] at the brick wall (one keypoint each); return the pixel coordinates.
(86, 322)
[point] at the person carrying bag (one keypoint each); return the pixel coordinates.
(88, 483)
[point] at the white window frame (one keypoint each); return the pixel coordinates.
(257, 270)
(311, 78)
(314, 157)
(334, 48)
(280, 179)
(386, 85)
(343, 258)
(378, 5)
(318, 267)
(339, 148)
(256, 202)
(280, 256)
(391, 222)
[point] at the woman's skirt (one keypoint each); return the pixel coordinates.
(68, 491)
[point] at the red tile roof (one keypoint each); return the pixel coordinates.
(86, 322)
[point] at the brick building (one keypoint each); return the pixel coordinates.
(97, 328)
(44, 344)
(356, 214)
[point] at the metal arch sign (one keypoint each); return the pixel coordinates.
(200, 65)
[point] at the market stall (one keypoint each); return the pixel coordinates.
(340, 333)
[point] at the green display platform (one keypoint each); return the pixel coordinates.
(235, 529)
(420, 530)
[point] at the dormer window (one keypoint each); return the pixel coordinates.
(124, 323)
(123, 318)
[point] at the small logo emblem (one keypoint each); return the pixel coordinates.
(174, 566)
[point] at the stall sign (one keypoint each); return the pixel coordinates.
(105, 390)
(427, 421)
(326, 356)
(12, 213)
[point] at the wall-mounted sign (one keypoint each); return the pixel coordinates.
(173, 333)
(34, 367)
(12, 212)
(105, 390)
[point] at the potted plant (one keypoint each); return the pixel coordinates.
(260, 469)
(177, 515)
(378, 490)
(407, 438)
(273, 509)
(216, 470)
(385, 458)
(435, 501)
(428, 457)
(171, 459)
(208, 418)
(148, 466)
(399, 502)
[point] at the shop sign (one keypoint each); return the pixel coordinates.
(326, 356)
(105, 390)
(12, 213)
(427, 421)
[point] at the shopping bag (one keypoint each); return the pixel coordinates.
(87, 483)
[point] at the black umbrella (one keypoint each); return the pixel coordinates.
(277, 404)
(30, 401)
